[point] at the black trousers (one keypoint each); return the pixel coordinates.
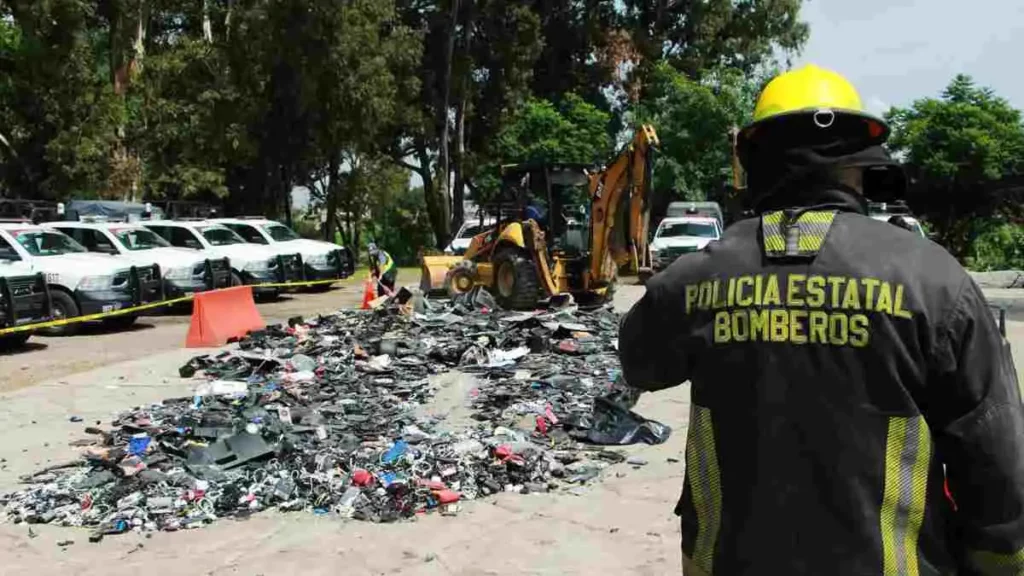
(388, 280)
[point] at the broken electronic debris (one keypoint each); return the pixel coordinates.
(327, 415)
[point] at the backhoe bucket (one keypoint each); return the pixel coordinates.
(433, 270)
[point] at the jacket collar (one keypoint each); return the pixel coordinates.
(830, 197)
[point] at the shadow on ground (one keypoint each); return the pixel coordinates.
(23, 349)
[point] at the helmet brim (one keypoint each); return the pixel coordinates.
(811, 128)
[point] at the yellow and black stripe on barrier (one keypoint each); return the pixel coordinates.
(151, 306)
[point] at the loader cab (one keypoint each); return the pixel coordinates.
(555, 196)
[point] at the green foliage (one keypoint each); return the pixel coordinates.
(399, 223)
(956, 148)
(693, 119)
(241, 100)
(540, 131)
(58, 113)
(571, 131)
(694, 36)
(307, 225)
(967, 133)
(180, 122)
(584, 44)
(998, 246)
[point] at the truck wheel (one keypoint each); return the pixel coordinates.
(11, 341)
(236, 280)
(64, 306)
(460, 279)
(516, 285)
(319, 288)
(122, 322)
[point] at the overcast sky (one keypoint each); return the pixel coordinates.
(895, 51)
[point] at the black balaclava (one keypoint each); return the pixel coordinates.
(794, 167)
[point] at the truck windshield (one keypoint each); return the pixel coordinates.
(474, 229)
(47, 242)
(221, 236)
(281, 233)
(699, 229)
(140, 239)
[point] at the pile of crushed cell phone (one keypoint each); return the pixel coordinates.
(328, 416)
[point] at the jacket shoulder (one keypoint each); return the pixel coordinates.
(881, 244)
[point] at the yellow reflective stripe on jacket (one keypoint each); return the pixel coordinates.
(388, 262)
(907, 457)
(995, 564)
(803, 236)
(705, 484)
(771, 230)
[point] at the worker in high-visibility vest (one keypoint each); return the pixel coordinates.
(843, 371)
(383, 268)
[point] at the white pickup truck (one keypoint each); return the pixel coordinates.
(470, 228)
(250, 264)
(184, 271)
(321, 260)
(24, 299)
(676, 236)
(80, 283)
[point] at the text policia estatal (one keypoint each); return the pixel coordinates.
(796, 308)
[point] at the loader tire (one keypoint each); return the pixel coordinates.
(516, 286)
(460, 279)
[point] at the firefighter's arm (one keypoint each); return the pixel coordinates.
(981, 437)
(647, 335)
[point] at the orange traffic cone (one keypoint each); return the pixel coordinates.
(368, 294)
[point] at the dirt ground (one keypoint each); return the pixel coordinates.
(621, 525)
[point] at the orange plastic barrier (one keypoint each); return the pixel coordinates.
(220, 315)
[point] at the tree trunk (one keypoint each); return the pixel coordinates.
(286, 196)
(345, 236)
(355, 237)
(332, 199)
(116, 56)
(434, 197)
(140, 34)
(458, 192)
(207, 24)
(227, 20)
(443, 112)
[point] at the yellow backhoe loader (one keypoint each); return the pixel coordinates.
(561, 229)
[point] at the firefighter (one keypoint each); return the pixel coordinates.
(842, 372)
(383, 268)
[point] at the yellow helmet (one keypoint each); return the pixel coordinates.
(817, 103)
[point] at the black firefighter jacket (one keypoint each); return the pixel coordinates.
(841, 369)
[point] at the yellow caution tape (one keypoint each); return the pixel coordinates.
(150, 306)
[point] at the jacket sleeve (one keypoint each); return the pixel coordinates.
(980, 438)
(647, 337)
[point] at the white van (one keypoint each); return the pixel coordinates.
(184, 271)
(321, 260)
(250, 264)
(80, 282)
